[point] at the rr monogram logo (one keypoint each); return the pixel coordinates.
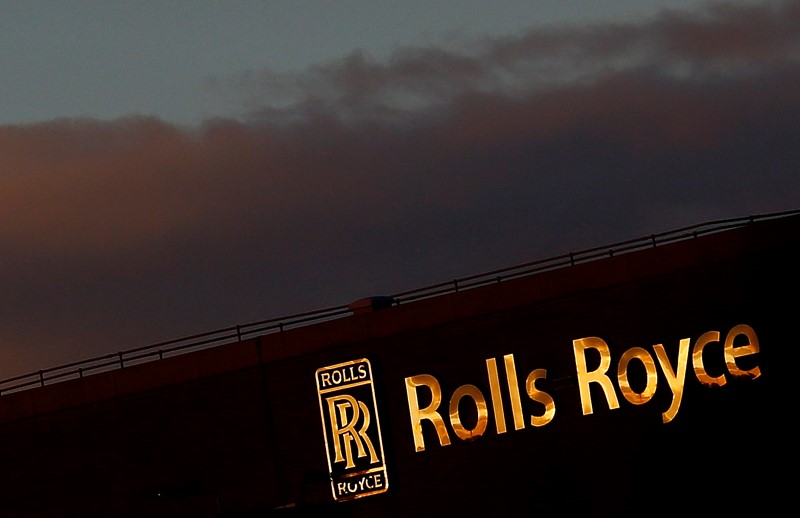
(343, 428)
(351, 430)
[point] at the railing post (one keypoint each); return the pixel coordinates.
(121, 362)
(572, 259)
(41, 378)
(455, 284)
(238, 333)
(80, 372)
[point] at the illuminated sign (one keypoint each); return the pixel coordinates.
(675, 376)
(351, 429)
(511, 400)
(431, 412)
(740, 342)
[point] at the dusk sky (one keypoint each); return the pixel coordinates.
(169, 168)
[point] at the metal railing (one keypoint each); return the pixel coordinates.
(161, 350)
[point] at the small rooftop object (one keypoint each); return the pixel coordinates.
(369, 304)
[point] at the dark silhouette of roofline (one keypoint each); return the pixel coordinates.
(239, 332)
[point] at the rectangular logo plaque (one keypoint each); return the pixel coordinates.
(351, 429)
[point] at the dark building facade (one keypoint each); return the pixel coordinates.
(632, 381)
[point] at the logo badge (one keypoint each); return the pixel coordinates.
(351, 429)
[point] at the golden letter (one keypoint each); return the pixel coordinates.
(649, 367)
(731, 352)
(483, 416)
(697, 360)
(497, 399)
(540, 396)
(676, 382)
(513, 391)
(430, 412)
(373, 458)
(598, 376)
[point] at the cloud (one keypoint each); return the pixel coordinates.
(358, 177)
(722, 39)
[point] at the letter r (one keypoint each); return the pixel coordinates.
(598, 375)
